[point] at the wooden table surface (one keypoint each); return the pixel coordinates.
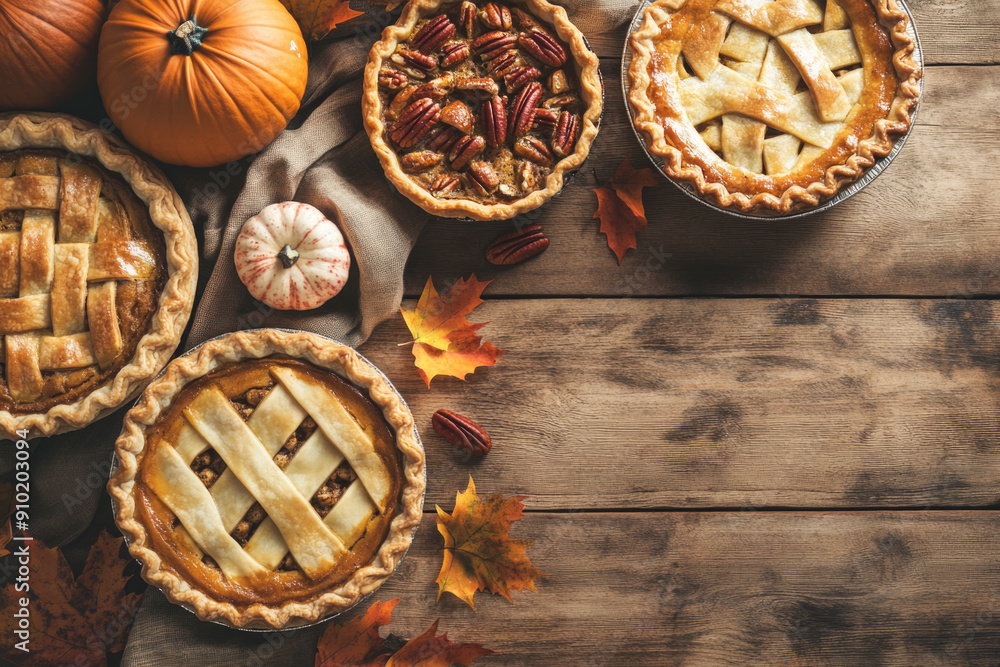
(751, 443)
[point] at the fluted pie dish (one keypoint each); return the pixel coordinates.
(268, 479)
(98, 266)
(771, 108)
(482, 109)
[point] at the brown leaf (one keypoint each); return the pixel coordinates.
(71, 622)
(357, 643)
(479, 553)
(318, 17)
(444, 341)
(620, 208)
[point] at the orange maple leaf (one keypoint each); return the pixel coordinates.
(358, 643)
(479, 553)
(444, 341)
(620, 209)
(318, 17)
(72, 621)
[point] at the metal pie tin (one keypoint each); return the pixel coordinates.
(292, 626)
(845, 193)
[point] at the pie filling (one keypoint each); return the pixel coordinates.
(269, 481)
(81, 271)
(481, 103)
(767, 95)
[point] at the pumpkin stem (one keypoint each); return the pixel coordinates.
(187, 37)
(288, 256)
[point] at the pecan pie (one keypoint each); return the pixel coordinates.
(481, 109)
(769, 107)
(98, 263)
(268, 479)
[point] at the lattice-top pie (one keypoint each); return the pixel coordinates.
(97, 268)
(271, 489)
(769, 106)
(481, 109)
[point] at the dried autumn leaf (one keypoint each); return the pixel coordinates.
(479, 553)
(6, 509)
(620, 209)
(72, 622)
(318, 17)
(358, 643)
(444, 341)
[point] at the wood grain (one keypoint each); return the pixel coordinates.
(730, 588)
(928, 226)
(951, 31)
(688, 403)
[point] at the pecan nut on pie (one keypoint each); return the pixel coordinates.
(770, 106)
(482, 109)
(98, 265)
(268, 479)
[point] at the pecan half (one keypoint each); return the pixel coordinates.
(564, 138)
(546, 120)
(534, 149)
(483, 178)
(420, 161)
(467, 16)
(443, 139)
(544, 47)
(517, 246)
(532, 176)
(521, 75)
(558, 82)
(496, 16)
(459, 116)
(454, 53)
(462, 432)
(524, 20)
(522, 113)
(415, 60)
(561, 102)
(464, 150)
(494, 117)
(493, 44)
(479, 85)
(399, 102)
(437, 88)
(504, 63)
(435, 32)
(416, 122)
(392, 79)
(445, 184)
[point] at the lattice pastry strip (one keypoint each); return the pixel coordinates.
(291, 525)
(65, 319)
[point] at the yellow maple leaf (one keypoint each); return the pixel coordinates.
(318, 17)
(444, 341)
(479, 553)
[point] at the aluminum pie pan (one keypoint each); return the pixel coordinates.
(845, 192)
(303, 624)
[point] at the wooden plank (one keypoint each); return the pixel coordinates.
(950, 32)
(689, 403)
(927, 226)
(785, 588)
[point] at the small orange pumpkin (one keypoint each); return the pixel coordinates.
(291, 257)
(201, 82)
(48, 50)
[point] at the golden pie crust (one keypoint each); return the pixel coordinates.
(678, 100)
(252, 583)
(100, 265)
(591, 90)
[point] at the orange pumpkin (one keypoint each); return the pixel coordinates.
(48, 49)
(201, 82)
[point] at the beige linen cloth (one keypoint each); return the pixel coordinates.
(324, 159)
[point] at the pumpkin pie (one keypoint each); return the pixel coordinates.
(98, 264)
(770, 107)
(482, 109)
(268, 479)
